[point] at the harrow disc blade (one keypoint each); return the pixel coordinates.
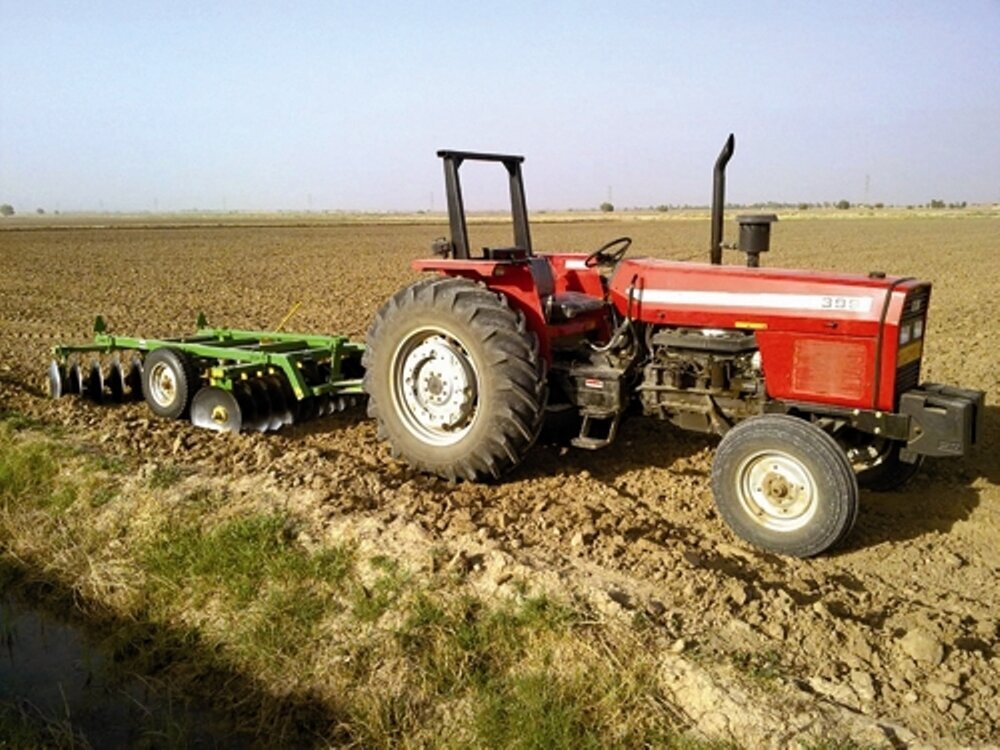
(133, 379)
(244, 397)
(262, 405)
(74, 379)
(216, 409)
(115, 380)
(281, 414)
(93, 387)
(324, 405)
(58, 380)
(308, 409)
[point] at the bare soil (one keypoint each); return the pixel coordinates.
(899, 626)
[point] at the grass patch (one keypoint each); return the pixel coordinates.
(239, 556)
(226, 602)
(164, 476)
(20, 730)
(536, 711)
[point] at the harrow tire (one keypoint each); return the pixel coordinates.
(454, 379)
(783, 484)
(169, 382)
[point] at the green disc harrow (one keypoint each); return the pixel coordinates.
(222, 378)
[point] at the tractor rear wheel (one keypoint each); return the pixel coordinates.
(455, 381)
(785, 485)
(169, 382)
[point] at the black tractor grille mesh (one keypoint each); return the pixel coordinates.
(916, 303)
(908, 376)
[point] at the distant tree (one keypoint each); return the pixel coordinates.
(40, 211)
(663, 208)
(936, 203)
(879, 205)
(607, 207)
(803, 206)
(843, 205)
(6, 210)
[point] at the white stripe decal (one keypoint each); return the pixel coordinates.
(768, 300)
(576, 265)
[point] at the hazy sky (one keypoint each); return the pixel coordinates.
(138, 105)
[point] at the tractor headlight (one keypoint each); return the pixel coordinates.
(904, 334)
(918, 329)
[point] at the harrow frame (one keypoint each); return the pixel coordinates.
(227, 356)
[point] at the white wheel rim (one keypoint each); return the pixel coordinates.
(163, 384)
(435, 386)
(777, 491)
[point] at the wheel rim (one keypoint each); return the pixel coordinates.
(162, 384)
(777, 490)
(435, 386)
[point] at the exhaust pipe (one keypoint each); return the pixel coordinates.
(719, 198)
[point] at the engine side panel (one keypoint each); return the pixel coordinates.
(823, 337)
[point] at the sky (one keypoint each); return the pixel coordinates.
(327, 105)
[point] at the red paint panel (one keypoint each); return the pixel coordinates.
(829, 369)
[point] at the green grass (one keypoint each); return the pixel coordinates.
(240, 556)
(20, 730)
(165, 476)
(228, 603)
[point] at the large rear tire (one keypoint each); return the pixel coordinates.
(454, 380)
(785, 485)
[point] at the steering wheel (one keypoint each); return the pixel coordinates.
(609, 253)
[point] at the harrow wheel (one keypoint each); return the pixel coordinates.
(93, 386)
(169, 380)
(216, 409)
(58, 380)
(784, 484)
(454, 379)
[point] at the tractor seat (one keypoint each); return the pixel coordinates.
(562, 307)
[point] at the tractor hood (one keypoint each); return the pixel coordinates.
(706, 295)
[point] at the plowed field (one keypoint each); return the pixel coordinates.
(900, 624)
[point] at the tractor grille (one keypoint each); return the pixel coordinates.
(915, 309)
(916, 303)
(907, 377)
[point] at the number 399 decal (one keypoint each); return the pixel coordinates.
(841, 303)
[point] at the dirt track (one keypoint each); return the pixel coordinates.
(901, 623)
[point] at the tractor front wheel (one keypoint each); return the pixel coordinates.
(785, 485)
(454, 380)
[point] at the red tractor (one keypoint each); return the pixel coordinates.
(811, 379)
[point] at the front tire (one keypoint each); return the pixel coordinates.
(785, 485)
(454, 380)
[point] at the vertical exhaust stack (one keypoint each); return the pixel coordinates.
(719, 198)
